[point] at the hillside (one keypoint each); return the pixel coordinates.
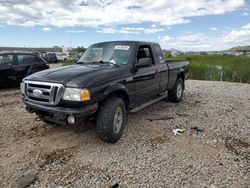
(239, 48)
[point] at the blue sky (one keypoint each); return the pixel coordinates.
(196, 25)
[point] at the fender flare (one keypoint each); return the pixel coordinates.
(115, 87)
(181, 72)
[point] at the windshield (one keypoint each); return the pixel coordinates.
(107, 52)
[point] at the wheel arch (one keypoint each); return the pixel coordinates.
(182, 76)
(120, 91)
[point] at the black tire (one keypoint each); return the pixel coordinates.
(176, 94)
(106, 121)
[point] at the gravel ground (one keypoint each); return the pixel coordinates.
(55, 65)
(148, 154)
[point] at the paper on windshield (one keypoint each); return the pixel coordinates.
(121, 47)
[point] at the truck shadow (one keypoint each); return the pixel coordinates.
(144, 123)
(9, 87)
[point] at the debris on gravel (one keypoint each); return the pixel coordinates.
(26, 180)
(197, 129)
(148, 154)
(178, 131)
(158, 119)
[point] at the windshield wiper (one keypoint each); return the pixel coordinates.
(86, 63)
(100, 62)
(80, 62)
(108, 62)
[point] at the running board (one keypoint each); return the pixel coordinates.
(136, 109)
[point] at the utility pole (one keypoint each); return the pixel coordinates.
(70, 39)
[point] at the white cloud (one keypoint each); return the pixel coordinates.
(153, 30)
(199, 42)
(108, 30)
(46, 29)
(145, 30)
(96, 13)
(165, 38)
(239, 35)
(213, 28)
(75, 31)
(131, 30)
(245, 14)
(246, 26)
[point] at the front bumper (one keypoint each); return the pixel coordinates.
(77, 112)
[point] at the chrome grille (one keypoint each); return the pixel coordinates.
(43, 92)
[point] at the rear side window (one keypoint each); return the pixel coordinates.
(25, 59)
(159, 55)
(6, 59)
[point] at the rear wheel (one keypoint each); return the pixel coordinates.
(111, 120)
(176, 94)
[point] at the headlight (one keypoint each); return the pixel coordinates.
(74, 94)
(22, 87)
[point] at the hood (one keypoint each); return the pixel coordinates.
(75, 75)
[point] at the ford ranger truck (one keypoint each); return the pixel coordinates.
(109, 80)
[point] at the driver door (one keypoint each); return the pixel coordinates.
(146, 78)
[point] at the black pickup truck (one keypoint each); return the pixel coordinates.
(109, 80)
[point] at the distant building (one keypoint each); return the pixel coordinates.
(171, 52)
(67, 49)
(166, 53)
(243, 52)
(240, 50)
(175, 52)
(203, 53)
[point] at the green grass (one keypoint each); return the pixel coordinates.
(207, 67)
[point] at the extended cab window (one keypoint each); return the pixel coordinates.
(107, 52)
(6, 59)
(159, 55)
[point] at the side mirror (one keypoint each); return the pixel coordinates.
(144, 62)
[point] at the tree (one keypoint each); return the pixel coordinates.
(79, 49)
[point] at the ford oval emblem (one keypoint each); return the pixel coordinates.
(37, 93)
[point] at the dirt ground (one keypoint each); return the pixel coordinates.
(212, 152)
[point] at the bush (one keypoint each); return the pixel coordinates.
(218, 67)
(68, 62)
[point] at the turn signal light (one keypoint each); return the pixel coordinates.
(85, 95)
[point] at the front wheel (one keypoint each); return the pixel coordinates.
(111, 120)
(176, 94)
